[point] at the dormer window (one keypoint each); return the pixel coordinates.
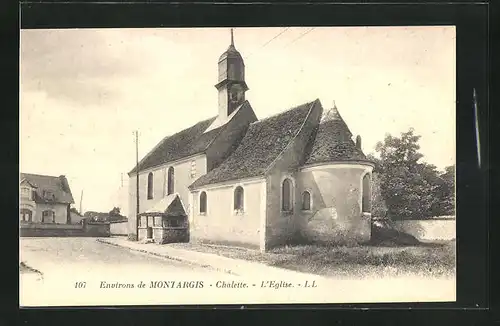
(49, 195)
(26, 193)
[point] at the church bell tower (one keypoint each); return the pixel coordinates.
(231, 83)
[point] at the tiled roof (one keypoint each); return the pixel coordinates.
(171, 205)
(263, 142)
(187, 142)
(332, 141)
(49, 188)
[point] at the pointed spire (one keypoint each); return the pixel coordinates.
(232, 36)
(334, 105)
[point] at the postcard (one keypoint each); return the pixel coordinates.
(191, 166)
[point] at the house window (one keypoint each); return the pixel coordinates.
(286, 197)
(306, 201)
(193, 169)
(170, 180)
(26, 215)
(238, 198)
(203, 202)
(48, 216)
(25, 193)
(366, 205)
(150, 185)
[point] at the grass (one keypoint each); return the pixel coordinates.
(424, 259)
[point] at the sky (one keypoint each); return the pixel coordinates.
(83, 92)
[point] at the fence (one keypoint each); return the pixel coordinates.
(64, 230)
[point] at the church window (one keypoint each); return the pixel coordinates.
(306, 201)
(193, 169)
(203, 202)
(366, 196)
(48, 216)
(238, 198)
(170, 180)
(286, 196)
(150, 185)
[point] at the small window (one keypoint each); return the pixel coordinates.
(366, 205)
(48, 216)
(150, 185)
(238, 199)
(286, 197)
(193, 169)
(306, 201)
(203, 202)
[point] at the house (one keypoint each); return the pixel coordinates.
(260, 183)
(44, 199)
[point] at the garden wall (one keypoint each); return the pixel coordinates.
(65, 230)
(443, 228)
(119, 228)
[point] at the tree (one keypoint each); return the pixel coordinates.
(407, 185)
(446, 191)
(115, 212)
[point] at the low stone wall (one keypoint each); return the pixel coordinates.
(119, 228)
(432, 229)
(64, 230)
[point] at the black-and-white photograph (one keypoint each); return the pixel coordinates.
(169, 166)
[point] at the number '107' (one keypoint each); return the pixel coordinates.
(80, 285)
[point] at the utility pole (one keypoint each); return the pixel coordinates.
(81, 199)
(137, 181)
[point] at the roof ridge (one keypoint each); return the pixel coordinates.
(41, 175)
(225, 126)
(283, 112)
(311, 106)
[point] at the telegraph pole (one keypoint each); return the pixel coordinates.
(137, 182)
(81, 199)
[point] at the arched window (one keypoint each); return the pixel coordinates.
(286, 196)
(238, 198)
(48, 216)
(26, 215)
(366, 200)
(150, 185)
(203, 202)
(306, 201)
(170, 180)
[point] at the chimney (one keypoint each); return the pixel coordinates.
(358, 142)
(64, 183)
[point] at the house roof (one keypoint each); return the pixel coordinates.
(171, 205)
(332, 141)
(57, 187)
(185, 143)
(261, 145)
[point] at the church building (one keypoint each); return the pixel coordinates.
(292, 177)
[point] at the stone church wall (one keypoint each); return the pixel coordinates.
(336, 194)
(221, 224)
(282, 227)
